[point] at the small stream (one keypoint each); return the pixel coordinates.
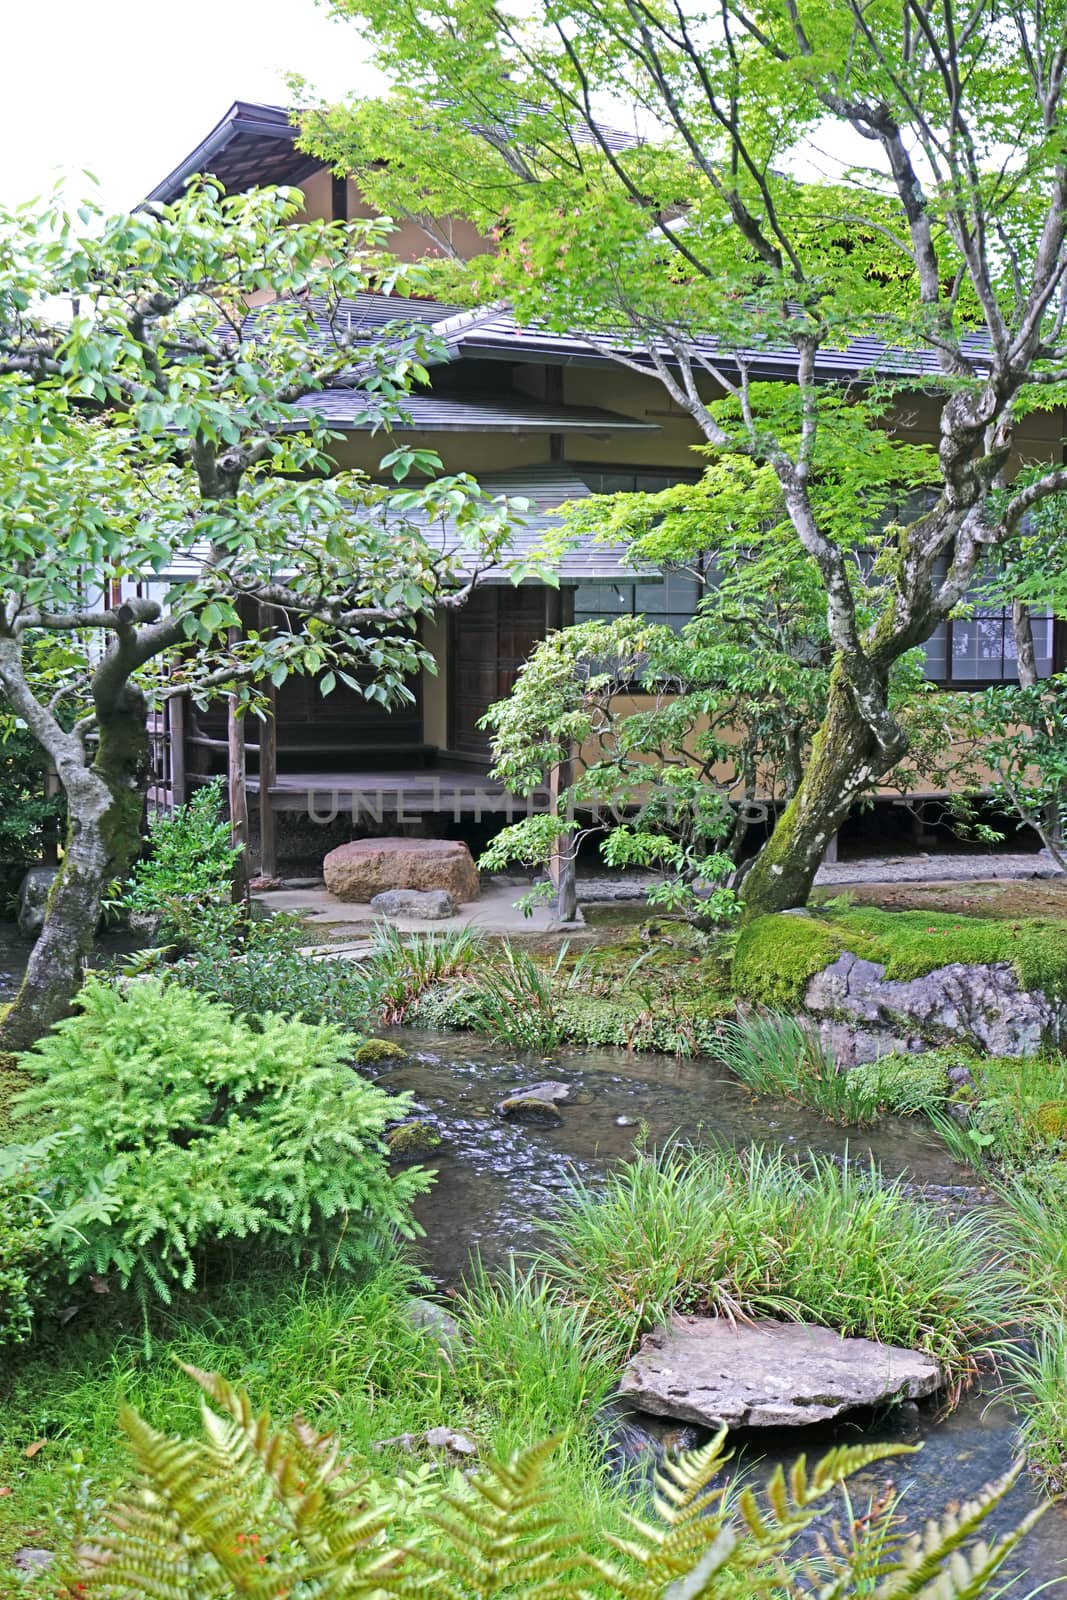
(496, 1179)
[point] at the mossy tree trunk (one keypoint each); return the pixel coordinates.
(105, 799)
(846, 756)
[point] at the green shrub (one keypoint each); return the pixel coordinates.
(717, 1232)
(261, 965)
(22, 1251)
(774, 1054)
(187, 1127)
(908, 1085)
(188, 870)
(251, 1508)
(27, 815)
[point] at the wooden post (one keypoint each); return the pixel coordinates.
(562, 867)
(236, 788)
(268, 772)
(176, 741)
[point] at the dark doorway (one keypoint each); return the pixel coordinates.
(492, 636)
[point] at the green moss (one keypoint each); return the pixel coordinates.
(412, 1139)
(776, 955)
(372, 1050)
(912, 943)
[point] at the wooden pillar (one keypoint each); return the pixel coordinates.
(236, 787)
(268, 773)
(176, 743)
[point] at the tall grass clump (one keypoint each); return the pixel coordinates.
(531, 1359)
(401, 967)
(724, 1233)
(774, 1054)
(1039, 1392)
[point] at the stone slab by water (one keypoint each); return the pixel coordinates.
(768, 1374)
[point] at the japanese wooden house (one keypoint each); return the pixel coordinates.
(532, 413)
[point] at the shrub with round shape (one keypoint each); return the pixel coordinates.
(187, 1127)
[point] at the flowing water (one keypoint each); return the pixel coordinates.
(497, 1179)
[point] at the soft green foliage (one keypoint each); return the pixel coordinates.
(259, 1509)
(25, 811)
(711, 1231)
(259, 964)
(776, 955)
(343, 1350)
(798, 180)
(907, 1085)
(774, 1054)
(1020, 738)
(22, 1251)
(188, 871)
(1039, 1391)
(185, 1127)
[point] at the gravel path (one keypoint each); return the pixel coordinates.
(923, 868)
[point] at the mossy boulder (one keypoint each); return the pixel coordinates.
(373, 1050)
(905, 980)
(412, 1139)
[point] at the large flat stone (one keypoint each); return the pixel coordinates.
(366, 867)
(768, 1374)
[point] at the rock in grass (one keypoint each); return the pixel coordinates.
(768, 1374)
(535, 1104)
(434, 1439)
(372, 1050)
(426, 1316)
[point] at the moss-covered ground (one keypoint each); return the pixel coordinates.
(777, 955)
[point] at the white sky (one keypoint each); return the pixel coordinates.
(126, 89)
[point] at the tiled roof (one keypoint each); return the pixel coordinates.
(256, 144)
(493, 333)
(252, 144)
(544, 487)
(507, 412)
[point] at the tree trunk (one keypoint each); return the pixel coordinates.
(105, 806)
(845, 756)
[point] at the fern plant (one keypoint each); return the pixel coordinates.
(185, 1127)
(268, 1512)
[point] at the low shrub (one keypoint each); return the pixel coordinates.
(252, 1508)
(186, 1127)
(718, 1232)
(22, 1251)
(774, 1054)
(261, 965)
(910, 1085)
(188, 869)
